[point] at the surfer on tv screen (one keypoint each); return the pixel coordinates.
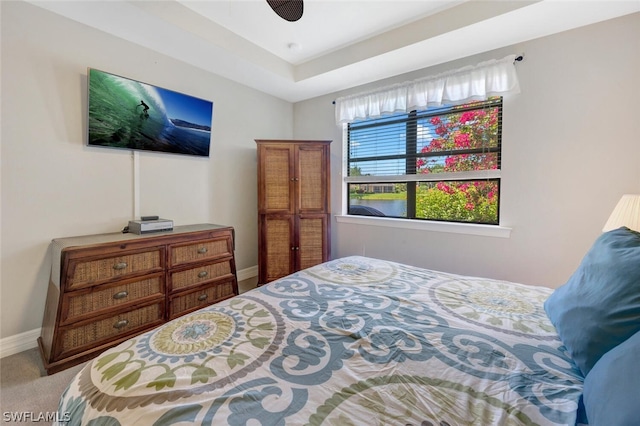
(145, 107)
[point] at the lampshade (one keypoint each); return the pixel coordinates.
(626, 213)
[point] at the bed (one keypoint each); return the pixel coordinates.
(354, 341)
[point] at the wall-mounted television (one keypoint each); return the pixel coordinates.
(128, 114)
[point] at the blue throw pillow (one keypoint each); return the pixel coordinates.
(599, 307)
(611, 394)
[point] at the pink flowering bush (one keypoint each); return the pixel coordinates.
(469, 201)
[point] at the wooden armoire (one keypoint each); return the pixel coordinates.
(293, 206)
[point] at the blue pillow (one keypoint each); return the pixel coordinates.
(611, 388)
(599, 307)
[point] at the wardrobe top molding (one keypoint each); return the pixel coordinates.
(292, 141)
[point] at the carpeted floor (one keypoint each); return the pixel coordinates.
(27, 394)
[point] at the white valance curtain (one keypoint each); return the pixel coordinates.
(470, 83)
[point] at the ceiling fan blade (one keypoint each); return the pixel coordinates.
(290, 10)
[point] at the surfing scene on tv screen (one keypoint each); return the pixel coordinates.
(128, 114)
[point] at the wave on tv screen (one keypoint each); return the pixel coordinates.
(128, 114)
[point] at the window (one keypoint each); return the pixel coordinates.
(436, 164)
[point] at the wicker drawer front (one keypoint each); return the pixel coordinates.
(181, 304)
(87, 273)
(200, 275)
(82, 303)
(203, 250)
(108, 328)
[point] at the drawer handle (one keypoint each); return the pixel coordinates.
(202, 250)
(202, 274)
(119, 266)
(120, 324)
(202, 297)
(121, 295)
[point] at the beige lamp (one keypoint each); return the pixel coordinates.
(626, 213)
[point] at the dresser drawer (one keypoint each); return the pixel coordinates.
(179, 305)
(89, 272)
(200, 275)
(76, 338)
(89, 302)
(200, 251)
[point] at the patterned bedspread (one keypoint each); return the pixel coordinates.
(355, 341)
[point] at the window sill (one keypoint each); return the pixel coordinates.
(451, 227)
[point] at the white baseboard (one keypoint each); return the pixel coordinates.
(247, 273)
(28, 340)
(19, 342)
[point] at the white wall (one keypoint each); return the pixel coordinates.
(54, 186)
(571, 148)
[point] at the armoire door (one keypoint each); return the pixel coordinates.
(312, 179)
(312, 240)
(277, 247)
(276, 179)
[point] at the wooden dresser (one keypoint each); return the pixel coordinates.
(293, 206)
(106, 288)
